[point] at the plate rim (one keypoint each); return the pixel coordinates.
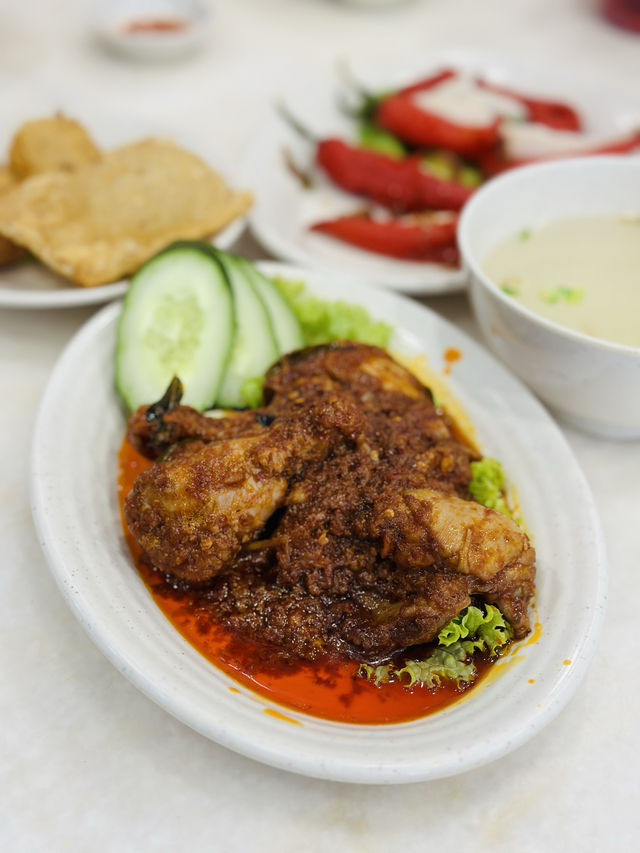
(76, 296)
(344, 769)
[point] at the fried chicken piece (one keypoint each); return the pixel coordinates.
(376, 545)
(363, 369)
(419, 526)
(192, 514)
(422, 527)
(295, 380)
(153, 430)
(364, 626)
(152, 437)
(352, 530)
(401, 417)
(378, 627)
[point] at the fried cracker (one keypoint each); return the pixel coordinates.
(101, 222)
(9, 252)
(50, 144)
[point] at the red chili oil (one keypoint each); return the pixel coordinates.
(450, 356)
(329, 688)
(154, 25)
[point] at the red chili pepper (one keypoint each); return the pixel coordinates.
(402, 116)
(428, 82)
(552, 113)
(405, 239)
(401, 185)
(495, 161)
(622, 13)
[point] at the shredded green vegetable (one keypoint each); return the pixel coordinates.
(323, 321)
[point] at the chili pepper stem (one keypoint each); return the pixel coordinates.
(295, 123)
(300, 174)
(345, 107)
(349, 78)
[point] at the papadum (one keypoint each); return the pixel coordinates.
(55, 144)
(9, 252)
(101, 222)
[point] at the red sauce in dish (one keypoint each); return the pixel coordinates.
(155, 25)
(328, 689)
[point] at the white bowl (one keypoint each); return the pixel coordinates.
(591, 383)
(113, 19)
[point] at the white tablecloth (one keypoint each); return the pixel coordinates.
(88, 763)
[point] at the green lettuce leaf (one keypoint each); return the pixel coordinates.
(487, 485)
(472, 630)
(251, 391)
(323, 321)
(448, 664)
(476, 630)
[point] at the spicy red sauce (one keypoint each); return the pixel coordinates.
(451, 355)
(155, 25)
(328, 689)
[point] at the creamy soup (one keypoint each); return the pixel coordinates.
(583, 273)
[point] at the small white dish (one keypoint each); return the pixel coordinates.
(373, 4)
(76, 511)
(153, 30)
(591, 383)
(283, 209)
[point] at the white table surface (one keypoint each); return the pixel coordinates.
(87, 763)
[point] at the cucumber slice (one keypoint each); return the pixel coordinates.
(177, 319)
(286, 327)
(254, 347)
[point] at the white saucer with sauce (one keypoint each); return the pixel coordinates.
(152, 30)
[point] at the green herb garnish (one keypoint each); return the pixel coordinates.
(563, 295)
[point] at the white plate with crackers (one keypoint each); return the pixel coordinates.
(82, 206)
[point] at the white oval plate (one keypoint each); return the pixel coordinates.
(284, 210)
(31, 285)
(75, 507)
